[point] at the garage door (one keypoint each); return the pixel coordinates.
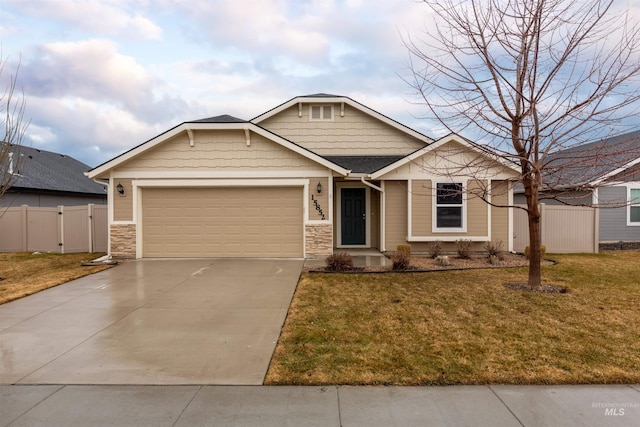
(222, 222)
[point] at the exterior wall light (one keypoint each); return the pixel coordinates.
(319, 188)
(120, 189)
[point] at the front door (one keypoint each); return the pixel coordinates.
(353, 217)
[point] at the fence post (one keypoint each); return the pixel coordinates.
(543, 229)
(90, 227)
(596, 230)
(24, 217)
(61, 228)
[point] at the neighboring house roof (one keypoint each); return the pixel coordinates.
(48, 171)
(592, 163)
(363, 164)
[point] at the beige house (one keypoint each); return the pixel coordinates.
(316, 174)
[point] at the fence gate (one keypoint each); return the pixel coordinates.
(565, 229)
(64, 229)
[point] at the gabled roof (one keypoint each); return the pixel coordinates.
(436, 144)
(188, 127)
(327, 98)
(592, 163)
(363, 164)
(48, 171)
(225, 118)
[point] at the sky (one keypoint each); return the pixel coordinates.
(103, 76)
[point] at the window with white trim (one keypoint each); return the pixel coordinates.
(320, 112)
(634, 206)
(449, 205)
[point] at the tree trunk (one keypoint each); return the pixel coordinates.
(535, 233)
(535, 243)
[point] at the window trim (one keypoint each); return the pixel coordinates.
(322, 110)
(634, 186)
(435, 206)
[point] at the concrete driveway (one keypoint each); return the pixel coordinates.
(204, 321)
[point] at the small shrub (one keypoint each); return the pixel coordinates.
(494, 250)
(340, 261)
(464, 248)
(435, 249)
(400, 261)
(442, 260)
(494, 260)
(404, 248)
(543, 251)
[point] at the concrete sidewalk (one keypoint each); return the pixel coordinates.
(192, 405)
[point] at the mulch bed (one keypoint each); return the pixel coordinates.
(422, 263)
(544, 289)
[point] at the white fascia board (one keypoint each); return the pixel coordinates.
(615, 172)
(434, 146)
(184, 127)
(134, 152)
(220, 175)
(351, 103)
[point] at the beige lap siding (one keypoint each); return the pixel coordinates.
(222, 222)
(122, 203)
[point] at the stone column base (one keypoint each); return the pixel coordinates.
(123, 240)
(319, 239)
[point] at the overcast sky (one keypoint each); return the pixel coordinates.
(102, 76)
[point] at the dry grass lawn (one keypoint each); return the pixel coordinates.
(25, 273)
(465, 327)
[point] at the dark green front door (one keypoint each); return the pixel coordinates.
(353, 216)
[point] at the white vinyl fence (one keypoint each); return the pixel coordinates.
(565, 229)
(63, 229)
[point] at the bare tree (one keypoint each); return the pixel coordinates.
(14, 126)
(528, 78)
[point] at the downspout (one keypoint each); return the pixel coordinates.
(368, 184)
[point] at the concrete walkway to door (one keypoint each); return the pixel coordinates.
(199, 321)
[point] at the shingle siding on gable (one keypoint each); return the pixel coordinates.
(613, 221)
(223, 150)
(354, 134)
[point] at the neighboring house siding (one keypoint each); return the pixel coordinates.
(11, 199)
(219, 151)
(356, 132)
(613, 221)
(572, 198)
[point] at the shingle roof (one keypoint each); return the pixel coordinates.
(225, 118)
(363, 164)
(587, 163)
(45, 170)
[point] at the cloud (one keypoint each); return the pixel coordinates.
(96, 71)
(113, 18)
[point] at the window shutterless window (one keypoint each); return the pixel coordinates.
(449, 205)
(634, 206)
(321, 112)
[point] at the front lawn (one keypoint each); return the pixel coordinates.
(23, 274)
(465, 327)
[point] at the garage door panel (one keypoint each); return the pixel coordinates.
(231, 222)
